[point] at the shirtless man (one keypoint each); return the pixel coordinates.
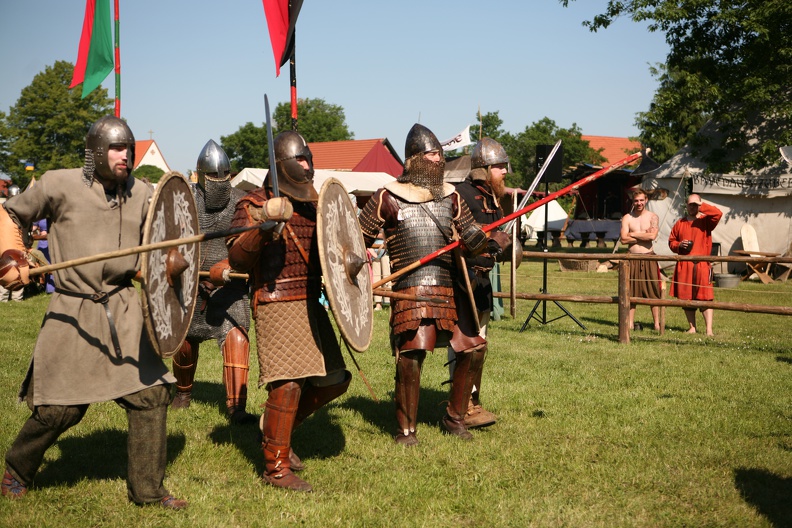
(639, 230)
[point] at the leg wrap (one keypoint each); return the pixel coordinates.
(236, 361)
(147, 450)
(313, 397)
(185, 362)
(461, 386)
(408, 388)
(38, 434)
(277, 424)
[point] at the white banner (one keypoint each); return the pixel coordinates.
(769, 186)
(460, 140)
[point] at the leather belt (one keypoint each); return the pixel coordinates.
(102, 298)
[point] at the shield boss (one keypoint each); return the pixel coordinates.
(169, 299)
(345, 268)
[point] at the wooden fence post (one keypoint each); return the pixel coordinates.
(624, 301)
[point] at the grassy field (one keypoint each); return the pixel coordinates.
(672, 430)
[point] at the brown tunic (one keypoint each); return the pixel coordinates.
(73, 360)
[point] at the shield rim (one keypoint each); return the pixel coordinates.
(144, 293)
(331, 295)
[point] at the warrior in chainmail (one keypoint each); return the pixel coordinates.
(482, 191)
(419, 214)
(222, 310)
(299, 356)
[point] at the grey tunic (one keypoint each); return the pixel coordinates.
(73, 360)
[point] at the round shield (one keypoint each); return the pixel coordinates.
(170, 275)
(345, 268)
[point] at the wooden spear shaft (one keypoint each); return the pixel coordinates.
(378, 291)
(490, 227)
(142, 249)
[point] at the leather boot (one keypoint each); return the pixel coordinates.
(476, 415)
(312, 399)
(185, 362)
(277, 424)
(461, 386)
(408, 388)
(236, 365)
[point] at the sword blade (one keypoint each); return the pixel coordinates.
(273, 175)
(508, 226)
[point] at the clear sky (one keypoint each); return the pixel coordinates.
(194, 70)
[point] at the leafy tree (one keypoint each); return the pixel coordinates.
(148, 172)
(317, 121)
(663, 127)
(47, 125)
(247, 147)
(522, 149)
(734, 57)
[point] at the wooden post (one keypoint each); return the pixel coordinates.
(662, 315)
(516, 246)
(624, 301)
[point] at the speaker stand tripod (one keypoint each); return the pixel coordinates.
(533, 315)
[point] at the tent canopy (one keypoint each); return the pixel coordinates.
(358, 183)
(761, 200)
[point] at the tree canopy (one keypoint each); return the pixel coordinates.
(149, 173)
(317, 121)
(521, 147)
(47, 125)
(731, 60)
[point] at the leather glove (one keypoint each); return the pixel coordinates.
(274, 209)
(14, 269)
(498, 243)
(220, 273)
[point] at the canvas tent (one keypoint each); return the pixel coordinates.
(534, 221)
(362, 184)
(763, 200)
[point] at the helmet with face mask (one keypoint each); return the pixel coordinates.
(294, 180)
(417, 169)
(214, 175)
(107, 132)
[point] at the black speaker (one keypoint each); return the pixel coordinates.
(553, 174)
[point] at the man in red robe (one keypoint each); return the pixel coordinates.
(692, 235)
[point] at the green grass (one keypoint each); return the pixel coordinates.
(672, 430)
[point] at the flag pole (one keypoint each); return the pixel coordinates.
(117, 64)
(293, 79)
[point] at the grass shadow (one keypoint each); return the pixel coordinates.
(318, 437)
(97, 456)
(211, 393)
(382, 414)
(768, 493)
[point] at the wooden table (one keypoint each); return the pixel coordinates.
(761, 268)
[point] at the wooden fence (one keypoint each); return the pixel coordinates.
(623, 299)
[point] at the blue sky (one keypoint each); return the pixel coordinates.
(194, 70)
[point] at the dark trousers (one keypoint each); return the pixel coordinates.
(146, 445)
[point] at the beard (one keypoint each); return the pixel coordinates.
(425, 173)
(498, 188)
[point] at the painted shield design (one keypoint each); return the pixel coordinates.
(345, 267)
(170, 275)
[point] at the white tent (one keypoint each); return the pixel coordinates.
(535, 220)
(762, 200)
(358, 183)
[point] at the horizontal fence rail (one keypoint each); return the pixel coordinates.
(623, 299)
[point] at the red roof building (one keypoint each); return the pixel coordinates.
(147, 152)
(611, 148)
(357, 155)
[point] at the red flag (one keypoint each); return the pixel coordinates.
(281, 19)
(95, 55)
